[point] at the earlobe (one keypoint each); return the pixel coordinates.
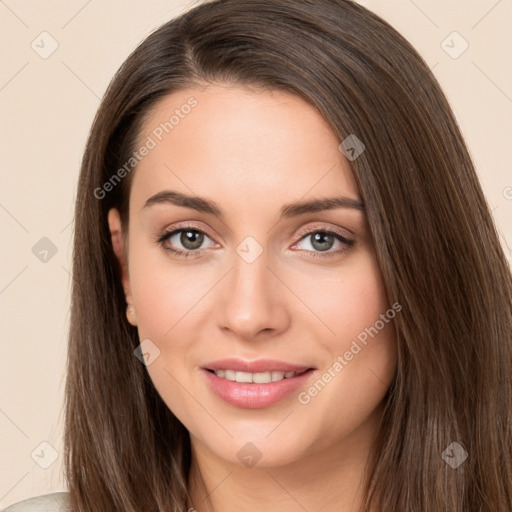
(118, 246)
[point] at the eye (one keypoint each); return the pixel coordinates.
(189, 237)
(323, 240)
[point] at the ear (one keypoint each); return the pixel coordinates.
(118, 245)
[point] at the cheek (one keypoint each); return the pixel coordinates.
(164, 293)
(166, 298)
(355, 382)
(342, 301)
(358, 334)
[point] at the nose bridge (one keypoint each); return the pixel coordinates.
(250, 271)
(253, 301)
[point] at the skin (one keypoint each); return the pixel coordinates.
(253, 152)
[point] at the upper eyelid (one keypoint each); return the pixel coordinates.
(167, 232)
(302, 231)
(337, 230)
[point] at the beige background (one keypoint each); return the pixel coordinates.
(47, 106)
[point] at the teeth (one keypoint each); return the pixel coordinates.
(277, 376)
(257, 378)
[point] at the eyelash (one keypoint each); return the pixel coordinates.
(315, 254)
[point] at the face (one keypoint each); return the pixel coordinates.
(243, 275)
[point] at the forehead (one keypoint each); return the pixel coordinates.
(241, 146)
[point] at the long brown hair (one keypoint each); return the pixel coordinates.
(436, 244)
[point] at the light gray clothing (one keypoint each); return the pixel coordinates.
(55, 502)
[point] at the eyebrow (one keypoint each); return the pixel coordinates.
(289, 210)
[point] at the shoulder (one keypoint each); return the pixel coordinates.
(55, 502)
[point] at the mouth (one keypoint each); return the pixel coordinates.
(255, 366)
(255, 384)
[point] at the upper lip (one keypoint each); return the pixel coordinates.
(256, 366)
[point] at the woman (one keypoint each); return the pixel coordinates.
(288, 290)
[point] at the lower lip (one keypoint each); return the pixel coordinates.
(251, 395)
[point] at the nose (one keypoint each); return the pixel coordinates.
(253, 300)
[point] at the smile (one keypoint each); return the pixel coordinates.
(255, 390)
(255, 378)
